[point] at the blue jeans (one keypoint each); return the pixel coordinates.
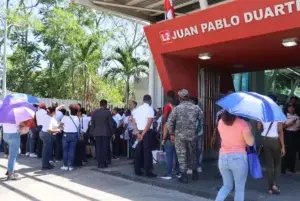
(13, 140)
(47, 139)
(199, 153)
(31, 141)
(69, 148)
(171, 156)
(234, 171)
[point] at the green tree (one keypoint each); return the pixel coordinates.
(57, 52)
(124, 66)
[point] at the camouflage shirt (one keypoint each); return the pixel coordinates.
(186, 120)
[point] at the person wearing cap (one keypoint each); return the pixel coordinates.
(41, 117)
(182, 125)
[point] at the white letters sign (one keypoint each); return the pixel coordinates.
(233, 21)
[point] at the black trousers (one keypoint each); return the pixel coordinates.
(80, 153)
(143, 154)
(58, 151)
(39, 146)
(272, 153)
(291, 145)
(102, 147)
(116, 143)
(23, 144)
(132, 141)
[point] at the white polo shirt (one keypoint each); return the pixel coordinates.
(49, 123)
(10, 128)
(117, 117)
(273, 130)
(69, 126)
(141, 115)
(41, 116)
(84, 123)
(293, 118)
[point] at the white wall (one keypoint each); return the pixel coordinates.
(145, 86)
(48, 101)
(141, 89)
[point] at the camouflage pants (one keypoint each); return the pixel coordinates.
(186, 153)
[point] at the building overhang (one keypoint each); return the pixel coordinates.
(235, 36)
(149, 11)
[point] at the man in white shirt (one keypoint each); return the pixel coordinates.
(116, 138)
(131, 126)
(58, 137)
(117, 117)
(41, 117)
(81, 144)
(143, 117)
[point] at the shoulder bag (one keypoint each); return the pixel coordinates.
(80, 137)
(254, 163)
(262, 146)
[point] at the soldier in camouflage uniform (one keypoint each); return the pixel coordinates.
(183, 123)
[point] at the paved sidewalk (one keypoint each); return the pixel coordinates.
(209, 183)
(80, 185)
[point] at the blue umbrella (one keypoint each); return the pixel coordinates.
(252, 106)
(28, 98)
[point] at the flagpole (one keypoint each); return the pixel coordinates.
(5, 51)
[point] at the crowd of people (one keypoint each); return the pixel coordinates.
(72, 135)
(60, 134)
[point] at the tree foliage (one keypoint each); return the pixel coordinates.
(122, 65)
(58, 52)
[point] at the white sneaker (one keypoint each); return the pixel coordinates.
(27, 154)
(33, 155)
(189, 171)
(199, 169)
(64, 168)
(71, 168)
(167, 178)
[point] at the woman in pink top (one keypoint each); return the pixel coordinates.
(233, 164)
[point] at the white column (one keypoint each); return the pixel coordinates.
(151, 86)
(155, 88)
(158, 90)
(203, 4)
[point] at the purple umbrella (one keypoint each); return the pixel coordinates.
(15, 111)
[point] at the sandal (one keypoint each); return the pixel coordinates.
(275, 190)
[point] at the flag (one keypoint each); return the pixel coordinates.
(170, 13)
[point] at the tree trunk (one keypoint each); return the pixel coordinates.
(296, 83)
(127, 90)
(241, 82)
(85, 85)
(273, 82)
(73, 84)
